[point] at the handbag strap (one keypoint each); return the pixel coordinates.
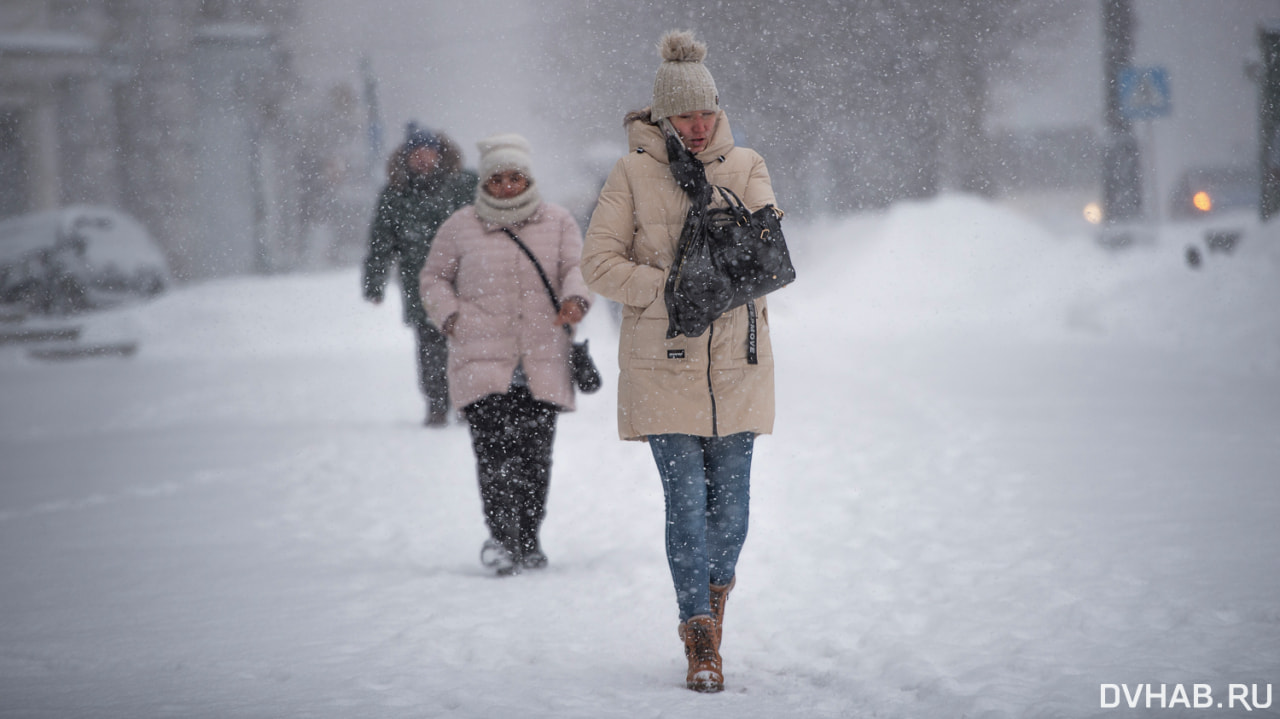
(736, 205)
(555, 301)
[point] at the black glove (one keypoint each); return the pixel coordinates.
(690, 174)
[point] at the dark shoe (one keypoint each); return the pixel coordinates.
(706, 672)
(437, 418)
(498, 558)
(720, 595)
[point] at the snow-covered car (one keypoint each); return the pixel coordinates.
(77, 258)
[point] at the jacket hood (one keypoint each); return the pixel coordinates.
(644, 136)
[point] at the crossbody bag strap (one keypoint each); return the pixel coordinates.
(555, 301)
(536, 265)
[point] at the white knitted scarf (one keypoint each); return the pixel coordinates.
(511, 211)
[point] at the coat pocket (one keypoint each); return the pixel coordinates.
(649, 348)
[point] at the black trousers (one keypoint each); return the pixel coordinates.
(433, 366)
(512, 435)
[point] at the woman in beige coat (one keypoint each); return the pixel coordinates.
(698, 401)
(508, 347)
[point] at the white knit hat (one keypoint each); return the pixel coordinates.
(502, 153)
(683, 83)
(499, 153)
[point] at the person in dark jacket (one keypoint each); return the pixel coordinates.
(425, 185)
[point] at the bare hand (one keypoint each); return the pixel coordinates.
(449, 322)
(572, 310)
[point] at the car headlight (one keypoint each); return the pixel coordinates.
(1093, 213)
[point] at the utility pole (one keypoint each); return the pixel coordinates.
(1121, 171)
(373, 123)
(1269, 121)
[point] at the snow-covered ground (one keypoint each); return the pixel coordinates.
(1010, 469)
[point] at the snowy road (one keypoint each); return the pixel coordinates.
(978, 519)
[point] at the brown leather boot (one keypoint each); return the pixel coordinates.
(705, 672)
(720, 595)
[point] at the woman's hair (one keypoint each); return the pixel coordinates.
(398, 164)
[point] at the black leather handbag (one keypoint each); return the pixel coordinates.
(726, 257)
(581, 367)
(749, 248)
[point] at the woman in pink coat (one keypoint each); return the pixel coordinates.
(508, 346)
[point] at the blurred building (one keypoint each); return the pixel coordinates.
(184, 113)
(1206, 49)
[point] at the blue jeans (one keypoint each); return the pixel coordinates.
(707, 485)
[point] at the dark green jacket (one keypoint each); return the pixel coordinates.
(404, 225)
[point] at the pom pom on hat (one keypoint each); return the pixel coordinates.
(682, 46)
(683, 84)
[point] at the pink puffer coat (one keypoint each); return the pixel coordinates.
(505, 316)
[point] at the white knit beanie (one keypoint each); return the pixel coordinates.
(683, 84)
(499, 153)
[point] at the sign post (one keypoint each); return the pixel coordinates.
(1144, 95)
(1121, 180)
(1269, 145)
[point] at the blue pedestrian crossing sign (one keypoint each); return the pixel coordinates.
(1144, 93)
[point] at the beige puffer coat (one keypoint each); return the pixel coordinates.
(704, 385)
(505, 315)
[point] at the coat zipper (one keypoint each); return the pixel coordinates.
(715, 429)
